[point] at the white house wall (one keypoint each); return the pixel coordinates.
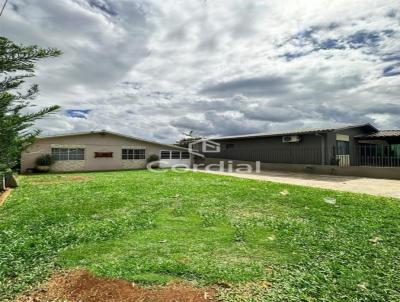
(92, 143)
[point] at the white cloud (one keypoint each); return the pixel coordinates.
(154, 68)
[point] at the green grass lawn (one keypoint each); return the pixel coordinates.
(208, 229)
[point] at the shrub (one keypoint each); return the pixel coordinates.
(45, 160)
(153, 158)
(335, 161)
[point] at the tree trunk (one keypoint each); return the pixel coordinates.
(3, 183)
(10, 181)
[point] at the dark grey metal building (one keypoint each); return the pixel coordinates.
(352, 145)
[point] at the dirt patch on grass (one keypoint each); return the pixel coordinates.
(82, 286)
(4, 195)
(58, 179)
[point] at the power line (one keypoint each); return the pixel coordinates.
(4, 6)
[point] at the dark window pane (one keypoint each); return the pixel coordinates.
(68, 154)
(63, 157)
(124, 153)
(73, 151)
(55, 153)
(127, 154)
(140, 154)
(343, 148)
(185, 155)
(165, 154)
(230, 146)
(73, 154)
(176, 155)
(80, 154)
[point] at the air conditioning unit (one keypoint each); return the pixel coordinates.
(291, 139)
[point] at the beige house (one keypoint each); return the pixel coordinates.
(101, 150)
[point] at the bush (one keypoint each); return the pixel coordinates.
(335, 161)
(45, 160)
(153, 158)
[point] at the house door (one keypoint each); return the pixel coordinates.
(343, 153)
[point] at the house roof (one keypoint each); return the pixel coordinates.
(112, 133)
(296, 132)
(382, 133)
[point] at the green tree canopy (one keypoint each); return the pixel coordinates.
(17, 63)
(189, 138)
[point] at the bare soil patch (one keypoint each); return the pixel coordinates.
(58, 179)
(4, 195)
(82, 286)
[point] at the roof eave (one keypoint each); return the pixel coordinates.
(271, 135)
(316, 131)
(112, 133)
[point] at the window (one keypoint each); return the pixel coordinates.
(133, 154)
(165, 154)
(175, 155)
(139, 154)
(68, 153)
(127, 153)
(185, 155)
(230, 146)
(343, 148)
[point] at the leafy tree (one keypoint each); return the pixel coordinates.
(189, 138)
(17, 63)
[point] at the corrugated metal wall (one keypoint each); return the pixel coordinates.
(273, 150)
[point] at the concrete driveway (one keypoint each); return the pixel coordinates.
(373, 186)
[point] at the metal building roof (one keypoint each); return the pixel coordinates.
(296, 132)
(382, 133)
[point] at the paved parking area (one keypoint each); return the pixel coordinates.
(373, 186)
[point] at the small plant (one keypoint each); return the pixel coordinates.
(335, 161)
(153, 159)
(208, 219)
(45, 160)
(177, 210)
(239, 232)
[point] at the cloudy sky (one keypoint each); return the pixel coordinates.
(156, 68)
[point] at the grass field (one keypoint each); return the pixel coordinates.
(208, 229)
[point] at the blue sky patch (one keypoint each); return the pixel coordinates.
(77, 113)
(294, 55)
(308, 38)
(392, 57)
(104, 6)
(392, 70)
(331, 44)
(368, 38)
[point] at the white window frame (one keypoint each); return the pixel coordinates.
(68, 153)
(170, 154)
(185, 152)
(169, 151)
(133, 154)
